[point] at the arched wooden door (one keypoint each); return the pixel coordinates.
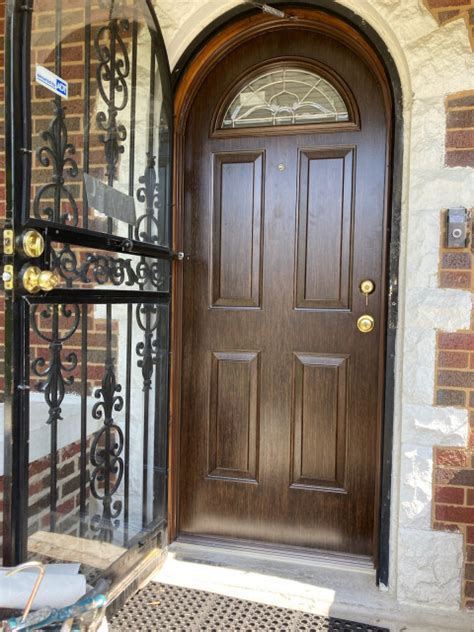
(285, 197)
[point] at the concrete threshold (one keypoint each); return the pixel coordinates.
(335, 590)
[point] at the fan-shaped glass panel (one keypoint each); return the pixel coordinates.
(286, 96)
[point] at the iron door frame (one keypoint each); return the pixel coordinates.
(16, 403)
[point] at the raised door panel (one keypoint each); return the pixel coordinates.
(234, 416)
(237, 230)
(323, 248)
(319, 421)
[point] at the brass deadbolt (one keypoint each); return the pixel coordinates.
(367, 287)
(34, 280)
(366, 324)
(32, 244)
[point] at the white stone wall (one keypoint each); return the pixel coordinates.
(426, 566)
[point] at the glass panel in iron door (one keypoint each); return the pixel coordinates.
(100, 155)
(89, 313)
(98, 378)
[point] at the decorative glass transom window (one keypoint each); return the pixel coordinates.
(287, 96)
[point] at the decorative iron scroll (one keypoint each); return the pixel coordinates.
(148, 319)
(57, 153)
(105, 269)
(112, 72)
(106, 450)
(149, 194)
(108, 465)
(55, 368)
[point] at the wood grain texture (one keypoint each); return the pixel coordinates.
(320, 409)
(277, 510)
(323, 251)
(233, 416)
(237, 230)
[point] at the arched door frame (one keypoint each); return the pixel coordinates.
(228, 31)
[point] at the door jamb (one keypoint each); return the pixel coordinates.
(206, 50)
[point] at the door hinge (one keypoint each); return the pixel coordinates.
(8, 241)
(8, 277)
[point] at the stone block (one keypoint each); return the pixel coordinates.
(418, 369)
(430, 425)
(434, 309)
(430, 568)
(416, 487)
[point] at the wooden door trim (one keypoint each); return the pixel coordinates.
(206, 58)
(246, 29)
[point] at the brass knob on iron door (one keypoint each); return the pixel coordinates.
(35, 280)
(365, 324)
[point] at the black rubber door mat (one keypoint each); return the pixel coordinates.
(171, 608)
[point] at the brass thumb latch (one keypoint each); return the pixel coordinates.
(31, 244)
(34, 279)
(367, 287)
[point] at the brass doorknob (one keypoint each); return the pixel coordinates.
(365, 324)
(34, 279)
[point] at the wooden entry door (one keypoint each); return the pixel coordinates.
(285, 217)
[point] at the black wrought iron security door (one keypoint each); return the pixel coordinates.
(87, 267)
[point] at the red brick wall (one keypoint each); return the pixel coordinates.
(460, 129)
(453, 477)
(39, 492)
(454, 504)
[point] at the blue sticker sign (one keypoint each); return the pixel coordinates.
(52, 82)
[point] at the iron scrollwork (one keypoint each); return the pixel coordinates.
(113, 70)
(103, 269)
(55, 369)
(58, 153)
(148, 318)
(149, 194)
(106, 455)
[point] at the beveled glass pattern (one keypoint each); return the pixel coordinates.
(287, 96)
